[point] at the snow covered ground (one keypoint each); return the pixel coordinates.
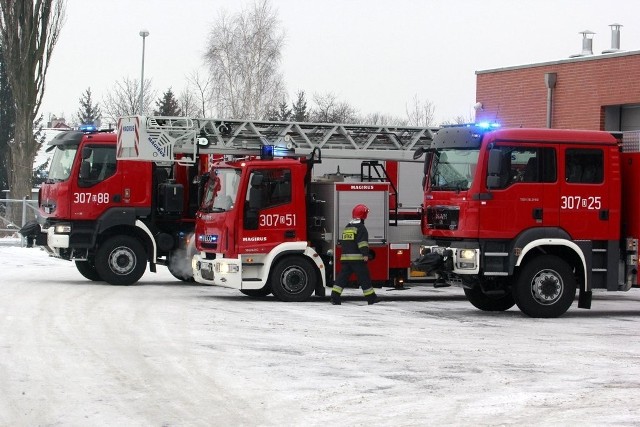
(164, 353)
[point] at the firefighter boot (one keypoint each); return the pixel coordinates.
(372, 298)
(335, 298)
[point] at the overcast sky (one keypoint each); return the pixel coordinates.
(375, 54)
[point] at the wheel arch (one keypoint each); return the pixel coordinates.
(562, 248)
(288, 249)
(139, 230)
(125, 221)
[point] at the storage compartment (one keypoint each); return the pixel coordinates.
(170, 198)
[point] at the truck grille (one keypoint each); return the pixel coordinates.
(443, 217)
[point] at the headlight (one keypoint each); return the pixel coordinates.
(466, 254)
(224, 267)
(62, 229)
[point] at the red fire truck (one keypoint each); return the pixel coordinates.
(529, 216)
(267, 223)
(113, 217)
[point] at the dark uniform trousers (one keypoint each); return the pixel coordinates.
(362, 274)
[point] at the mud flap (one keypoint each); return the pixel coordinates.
(584, 299)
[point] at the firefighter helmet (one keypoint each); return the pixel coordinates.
(360, 211)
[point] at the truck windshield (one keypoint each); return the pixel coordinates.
(61, 163)
(221, 190)
(453, 169)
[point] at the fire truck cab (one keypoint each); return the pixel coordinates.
(529, 216)
(114, 217)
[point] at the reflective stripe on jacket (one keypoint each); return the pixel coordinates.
(354, 242)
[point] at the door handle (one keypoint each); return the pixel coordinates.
(537, 214)
(290, 234)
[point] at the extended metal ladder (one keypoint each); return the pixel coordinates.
(161, 138)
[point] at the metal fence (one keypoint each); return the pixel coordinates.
(14, 214)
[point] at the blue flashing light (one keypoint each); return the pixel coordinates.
(208, 238)
(88, 128)
(281, 151)
(266, 152)
(488, 125)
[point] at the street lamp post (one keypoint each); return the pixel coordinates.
(143, 34)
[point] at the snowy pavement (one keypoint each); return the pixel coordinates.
(165, 353)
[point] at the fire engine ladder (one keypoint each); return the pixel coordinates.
(181, 139)
(161, 138)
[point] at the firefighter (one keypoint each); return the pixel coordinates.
(355, 254)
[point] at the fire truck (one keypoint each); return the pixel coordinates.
(530, 216)
(112, 217)
(268, 221)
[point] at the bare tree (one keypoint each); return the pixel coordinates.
(124, 99)
(243, 54)
(202, 86)
(329, 109)
(382, 119)
(188, 103)
(421, 113)
(28, 35)
(458, 120)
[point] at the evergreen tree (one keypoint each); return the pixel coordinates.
(299, 110)
(167, 105)
(88, 114)
(7, 124)
(281, 114)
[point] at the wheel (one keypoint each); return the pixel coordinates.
(179, 273)
(486, 302)
(545, 287)
(257, 293)
(88, 269)
(293, 279)
(180, 266)
(121, 260)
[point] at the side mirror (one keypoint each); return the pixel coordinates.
(86, 153)
(494, 167)
(495, 162)
(85, 169)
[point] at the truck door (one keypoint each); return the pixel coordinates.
(521, 191)
(97, 183)
(272, 213)
(584, 200)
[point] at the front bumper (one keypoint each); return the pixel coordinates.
(463, 261)
(57, 241)
(226, 272)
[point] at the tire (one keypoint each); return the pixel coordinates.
(179, 262)
(485, 302)
(121, 260)
(88, 270)
(257, 293)
(181, 275)
(293, 279)
(545, 287)
(180, 268)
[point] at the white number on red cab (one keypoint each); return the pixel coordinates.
(278, 220)
(82, 198)
(579, 202)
